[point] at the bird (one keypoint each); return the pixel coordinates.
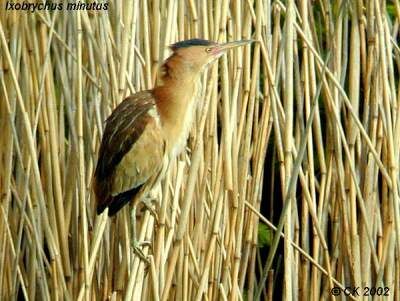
(148, 129)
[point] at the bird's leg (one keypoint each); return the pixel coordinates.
(148, 202)
(136, 245)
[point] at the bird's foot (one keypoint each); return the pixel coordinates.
(148, 204)
(137, 246)
(138, 251)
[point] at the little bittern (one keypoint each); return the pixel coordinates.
(149, 128)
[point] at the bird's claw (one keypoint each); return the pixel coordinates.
(136, 245)
(137, 249)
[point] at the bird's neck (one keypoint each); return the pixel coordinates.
(178, 88)
(176, 97)
(175, 70)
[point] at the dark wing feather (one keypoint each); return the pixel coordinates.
(123, 128)
(118, 201)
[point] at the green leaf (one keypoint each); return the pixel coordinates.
(265, 235)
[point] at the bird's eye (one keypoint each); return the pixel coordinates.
(208, 50)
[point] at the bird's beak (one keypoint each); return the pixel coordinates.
(221, 48)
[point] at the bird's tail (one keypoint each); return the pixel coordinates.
(117, 202)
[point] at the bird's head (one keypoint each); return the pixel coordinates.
(197, 54)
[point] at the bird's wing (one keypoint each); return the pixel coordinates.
(131, 151)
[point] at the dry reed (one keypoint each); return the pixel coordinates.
(300, 132)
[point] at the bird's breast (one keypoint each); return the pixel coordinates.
(184, 125)
(179, 120)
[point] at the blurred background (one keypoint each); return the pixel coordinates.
(288, 188)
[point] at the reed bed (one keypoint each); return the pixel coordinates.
(296, 144)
